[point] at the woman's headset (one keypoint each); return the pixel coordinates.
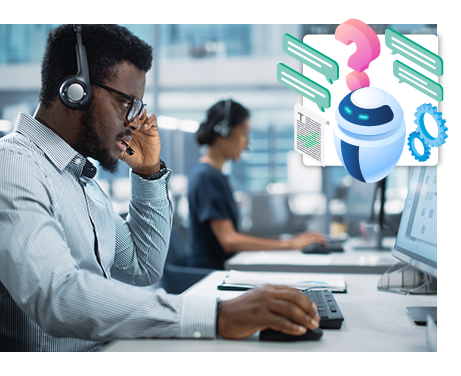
(223, 128)
(75, 91)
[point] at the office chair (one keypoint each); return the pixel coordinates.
(177, 276)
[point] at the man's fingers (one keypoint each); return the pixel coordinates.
(291, 311)
(293, 296)
(150, 121)
(284, 325)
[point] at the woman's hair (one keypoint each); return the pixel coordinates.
(215, 115)
(106, 46)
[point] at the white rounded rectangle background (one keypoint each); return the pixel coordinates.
(381, 76)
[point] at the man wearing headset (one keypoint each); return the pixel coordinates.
(71, 268)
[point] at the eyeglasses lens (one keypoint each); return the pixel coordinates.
(137, 107)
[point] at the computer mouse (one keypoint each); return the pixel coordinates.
(273, 335)
(335, 248)
(316, 248)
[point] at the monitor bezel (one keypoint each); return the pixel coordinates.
(423, 264)
(415, 260)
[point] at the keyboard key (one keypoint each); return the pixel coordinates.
(327, 308)
(323, 313)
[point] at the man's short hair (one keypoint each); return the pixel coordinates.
(106, 46)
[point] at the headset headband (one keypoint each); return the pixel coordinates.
(75, 91)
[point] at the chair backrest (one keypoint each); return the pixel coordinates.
(178, 251)
(177, 276)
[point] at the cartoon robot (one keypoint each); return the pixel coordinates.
(370, 133)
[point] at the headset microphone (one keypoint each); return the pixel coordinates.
(75, 91)
(129, 150)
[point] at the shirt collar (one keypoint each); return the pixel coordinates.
(58, 151)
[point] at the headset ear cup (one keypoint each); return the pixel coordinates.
(225, 130)
(217, 129)
(222, 129)
(74, 93)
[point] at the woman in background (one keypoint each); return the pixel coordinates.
(213, 211)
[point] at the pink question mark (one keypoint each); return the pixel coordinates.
(368, 49)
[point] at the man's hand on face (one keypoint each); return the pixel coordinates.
(146, 144)
(280, 308)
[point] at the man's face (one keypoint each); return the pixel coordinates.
(104, 123)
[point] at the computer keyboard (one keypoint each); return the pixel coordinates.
(328, 310)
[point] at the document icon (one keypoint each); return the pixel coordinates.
(310, 134)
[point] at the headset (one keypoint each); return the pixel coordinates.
(223, 128)
(75, 91)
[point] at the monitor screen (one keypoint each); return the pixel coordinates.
(360, 199)
(416, 242)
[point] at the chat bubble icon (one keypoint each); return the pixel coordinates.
(414, 52)
(418, 81)
(311, 57)
(304, 86)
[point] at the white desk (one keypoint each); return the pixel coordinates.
(374, 321)
(349, 261)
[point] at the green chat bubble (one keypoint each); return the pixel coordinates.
(420, 82)
(304, 86)
(414, 52)
(311, 57)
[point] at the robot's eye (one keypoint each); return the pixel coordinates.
(363, 117)
(348, 110)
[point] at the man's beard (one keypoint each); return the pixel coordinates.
(88, 143)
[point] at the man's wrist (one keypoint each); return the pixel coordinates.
(148, 171)
(159, 172)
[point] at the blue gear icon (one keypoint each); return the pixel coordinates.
(411, 143)
(427, 108)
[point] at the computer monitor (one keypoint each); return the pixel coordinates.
(360, 203)
(416, 242)
(360, 200)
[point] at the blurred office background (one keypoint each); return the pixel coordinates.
(195, 66)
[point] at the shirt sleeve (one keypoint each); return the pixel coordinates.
(64, 299)
(141, 242)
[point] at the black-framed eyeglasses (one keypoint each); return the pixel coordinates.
(136, 106)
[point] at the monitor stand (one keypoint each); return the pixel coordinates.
(401, 278)
(381, 187)
(419, 314)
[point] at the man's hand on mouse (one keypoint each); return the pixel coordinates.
(304, 239)
(280, 308)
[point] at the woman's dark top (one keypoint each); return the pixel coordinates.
(210, 197)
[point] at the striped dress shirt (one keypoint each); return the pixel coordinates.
(73, 274)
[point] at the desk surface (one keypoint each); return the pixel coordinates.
(374, 321)
(349, 261)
